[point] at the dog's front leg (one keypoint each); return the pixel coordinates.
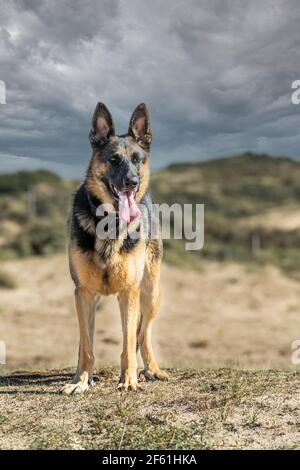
(129, 305)
(86, 306)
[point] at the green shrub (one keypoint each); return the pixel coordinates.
(6, 281)
(41, 237)
(22, 180)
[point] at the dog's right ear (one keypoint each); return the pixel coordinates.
(102, 127)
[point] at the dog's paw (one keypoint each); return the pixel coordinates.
(157, 374)
(124, 387)
(129, 383)
(75, 389)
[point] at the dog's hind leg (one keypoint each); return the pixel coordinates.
(86, 306)
(150, 301)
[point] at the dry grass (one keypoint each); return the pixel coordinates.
(206, 409)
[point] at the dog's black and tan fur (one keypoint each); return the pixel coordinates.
(127, 266)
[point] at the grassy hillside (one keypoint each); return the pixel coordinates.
(205, 409)
(34, 208)
(251, 210)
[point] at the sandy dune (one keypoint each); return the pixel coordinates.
(224, 315)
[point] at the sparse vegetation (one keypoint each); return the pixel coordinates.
(40, 237)
(205, 409)
(240, 195)
(34, 208)
(6, 280)
(22, 180)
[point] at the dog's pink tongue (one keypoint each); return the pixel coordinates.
(134, 211)
(128, 209)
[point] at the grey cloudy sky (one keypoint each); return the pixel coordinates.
(215, 74)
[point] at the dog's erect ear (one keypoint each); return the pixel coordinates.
(102, 127)
(139, 126)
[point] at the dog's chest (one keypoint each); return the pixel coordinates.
(118, 270)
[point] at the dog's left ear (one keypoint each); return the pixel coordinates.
(139, 126)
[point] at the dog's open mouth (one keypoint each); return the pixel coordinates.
(128, 209)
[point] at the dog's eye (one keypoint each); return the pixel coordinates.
(135, 159)
(115, 160)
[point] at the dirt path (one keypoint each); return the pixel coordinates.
(225, 314)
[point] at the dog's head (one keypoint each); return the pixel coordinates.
(118, 173)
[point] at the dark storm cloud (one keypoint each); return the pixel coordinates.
(216, 76)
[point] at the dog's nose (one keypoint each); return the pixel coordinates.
(131, 182)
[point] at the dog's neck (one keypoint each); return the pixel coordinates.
(94, 202)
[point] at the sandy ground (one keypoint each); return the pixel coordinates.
(204, 409)
(226, 314)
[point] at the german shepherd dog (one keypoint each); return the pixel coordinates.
(117, 176)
